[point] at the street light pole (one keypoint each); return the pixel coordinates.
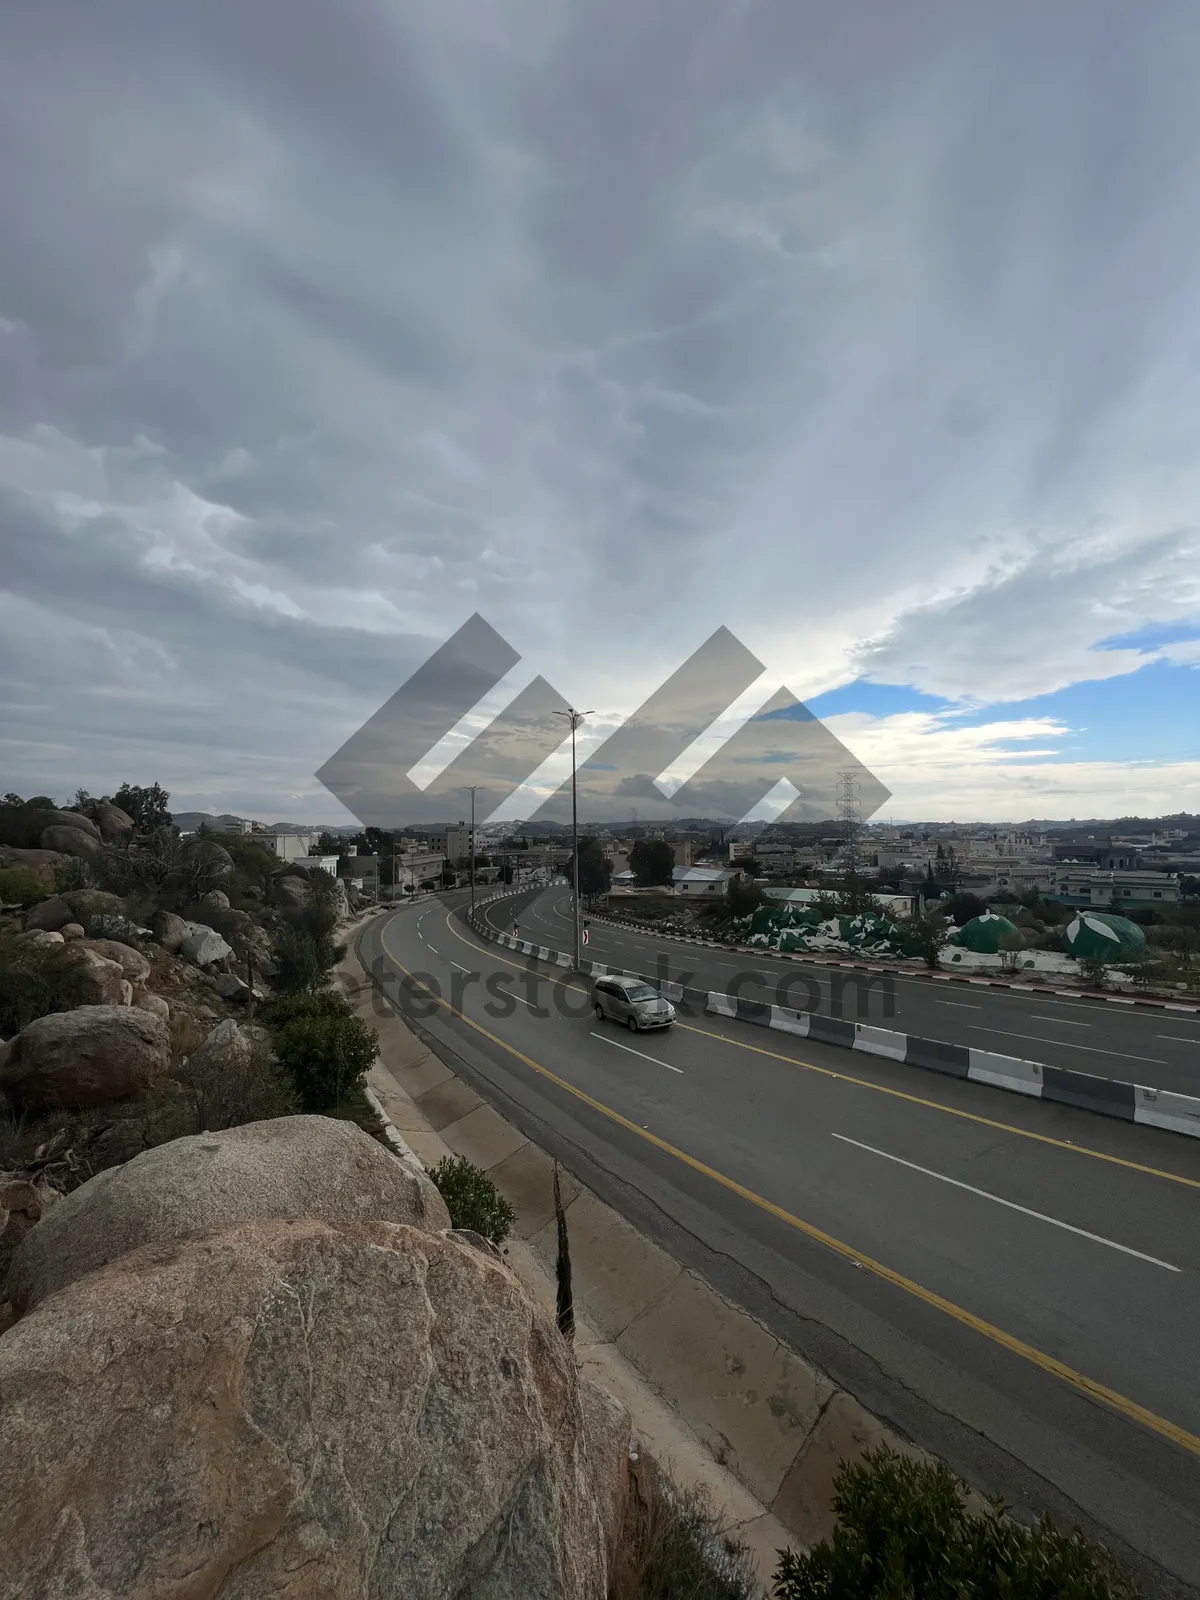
(471, 845)
(574, 718)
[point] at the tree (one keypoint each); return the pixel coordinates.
(927, 932)
(11, 799)
(595, 869)
(146, 805)
(652, 862)
(963, 906)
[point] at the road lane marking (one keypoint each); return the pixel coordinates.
(960, 1005)
(461, 968)
(1041, 1038)
(863, 1083)
(1011, 1204)
(617, 1045)
(1089, 1387)
(1178, 1038)
(1064, 1022)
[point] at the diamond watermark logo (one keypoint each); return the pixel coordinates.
(782, 764)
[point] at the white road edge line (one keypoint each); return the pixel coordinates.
(616, 1043)
(1012, 1205)
(1062, 1044)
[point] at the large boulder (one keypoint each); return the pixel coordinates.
(169, 930)
(146, 1000)
(72, 819)
(215, 900)
(80, 905)
(44, 862)
(86, 1057)
(100, 979)
(70, 841)
(290, 1167)
(133, 964)
(290, 890)
(114, 824)
(24, 1200)
(297, 1410)
(204, 946)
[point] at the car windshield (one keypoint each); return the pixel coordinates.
(643, 992)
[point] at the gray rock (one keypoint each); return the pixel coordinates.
(41, 936)
(113, 823)
(112, 925)
(297, 1410)
(230, 987)
(72, 930)
(85, 1057)
(100, 979)
(77, 906)
(43, 862)
(169, 930)
(70, 819)
(133, 963)
(289, 1167)
(147, 1000)
(217, 899)
(204, 946)
(70, 841)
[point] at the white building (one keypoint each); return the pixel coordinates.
(287, 846)
(695, 881)
(458, 843)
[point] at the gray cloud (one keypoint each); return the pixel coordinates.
(322, 329)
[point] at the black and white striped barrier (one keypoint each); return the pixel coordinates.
(1108, 1097)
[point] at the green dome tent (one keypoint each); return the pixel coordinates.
(983, 934)
(1103, 934)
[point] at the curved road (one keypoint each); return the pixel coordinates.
(1150, 1046)
(1014, 1284)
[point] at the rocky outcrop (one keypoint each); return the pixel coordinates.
(71, 930)
(204, 946)
(114, 824)
(146, 1000)
(290, 890)
(86, 1057)
(133, 964)
(23, 1201)
(215, 900)
(99, 978)
(290, 1167)
(169, 930)
(296, 1410)
(70, 841)
(80, 905)
(43, 862)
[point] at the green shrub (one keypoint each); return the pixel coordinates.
(904, 1530)
(34, 981)
(21, 886)
(286, 1008)
(325, 1056)
(472, 1199)
(303, 960)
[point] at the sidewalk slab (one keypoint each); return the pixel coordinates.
(482, 1136)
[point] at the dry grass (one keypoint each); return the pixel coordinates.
(674, 1547)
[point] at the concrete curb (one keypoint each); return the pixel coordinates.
(712, 1393)
(1107, 1097)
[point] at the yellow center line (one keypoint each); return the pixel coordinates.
(1120, 1403)
(877, 1088)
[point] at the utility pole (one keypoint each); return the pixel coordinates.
(574, 718)
(471, 845)
(848, 810)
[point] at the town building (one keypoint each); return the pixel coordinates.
(1113, 890)
(695, 881)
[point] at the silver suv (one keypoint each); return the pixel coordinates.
(632, 1001)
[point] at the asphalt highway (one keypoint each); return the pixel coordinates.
(1014, 1284)
(1147, 1046)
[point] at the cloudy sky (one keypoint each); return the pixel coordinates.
(869, 331)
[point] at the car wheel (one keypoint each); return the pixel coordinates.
(599, 1010)
(632, 1025)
